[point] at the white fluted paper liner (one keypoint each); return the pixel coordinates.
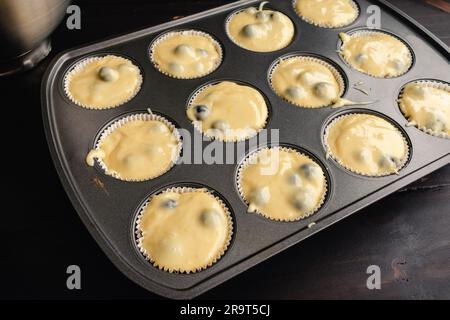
(236, 42)
(336, 73)
(147, 255)
(432, 84)
(135, 117)
(198, 124)
(167, 35)
(360, 33)
(327, 25)
(80, 66)
(252, 159)
(402, 164)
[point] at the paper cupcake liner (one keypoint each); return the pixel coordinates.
(80, 66)
(140, 238)
(336, 73)
(425, 83)
(230, 36)
(167, 35)
(402, 164)
(359, 33)
(198, 124)
(327, 25)
(144, 117)
(251, 159)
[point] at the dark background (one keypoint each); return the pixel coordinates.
(406, 234)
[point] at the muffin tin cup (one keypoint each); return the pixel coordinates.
(329, 154)
(134, 117)
(432, 84)
(365, 32)
(80, 66)
(251, 159)
(109, 207)
(336, 73)
(198, 124)
(169, 34)
(230, 36)
(181, 190)
(326, 25)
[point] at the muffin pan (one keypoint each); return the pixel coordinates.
(109, 207)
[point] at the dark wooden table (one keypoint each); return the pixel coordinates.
(406, 234)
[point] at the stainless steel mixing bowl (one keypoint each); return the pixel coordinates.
(25, 26)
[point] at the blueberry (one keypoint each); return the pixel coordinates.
(302, 200)
(260, 196)
(397, 64)
(295, 180)
(170, 204)
(307, 78)
(108, 74)
(364, 155)
(199, 67)
(360, 58)
(295, 92)
(325, 90)
(184, 49)
(310, 170)
(209, 218)
(175, 67)
(201, 112)
(250, 30)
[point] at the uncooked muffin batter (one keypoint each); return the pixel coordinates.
(366, 144)
(427, 107)
(327, 13)
(102, 83)
(186, 54)
(261, 30)
(184, 231)
(282, 184)
(137, 150)
(228, 111)
(306, 83)
(376, 53)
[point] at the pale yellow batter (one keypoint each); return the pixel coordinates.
(327, 13)
(282, 184)
(261, 30)
(228, 111)
(102, 83)
(366, 144)
(306, 82)
(427, 107)
(376, 53)
(184, 231)
(186, 54)
(138, 150)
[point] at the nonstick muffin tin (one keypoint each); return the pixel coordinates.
(109, 207)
